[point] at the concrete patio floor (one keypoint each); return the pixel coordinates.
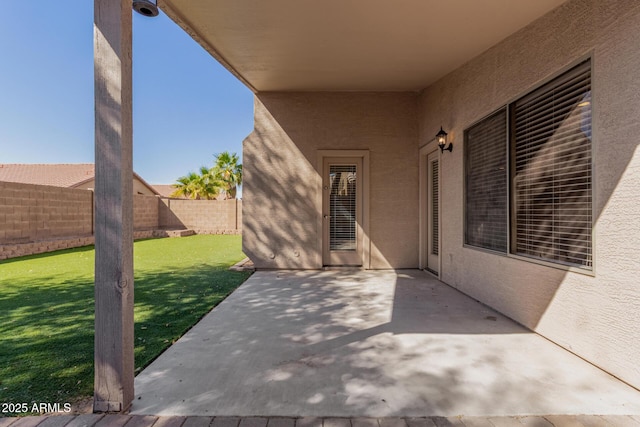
(368, 344)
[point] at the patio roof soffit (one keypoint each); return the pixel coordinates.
(349, 45)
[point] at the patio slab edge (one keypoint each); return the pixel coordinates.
(99, 420)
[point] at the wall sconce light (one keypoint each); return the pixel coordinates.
(441, 137)
(146, 7)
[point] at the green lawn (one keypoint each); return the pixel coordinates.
(47, 306)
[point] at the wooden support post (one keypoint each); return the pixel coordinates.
(113, 387)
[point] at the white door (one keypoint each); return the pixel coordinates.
(433, 212)
(342, 211)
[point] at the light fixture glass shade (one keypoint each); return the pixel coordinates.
(441, 137)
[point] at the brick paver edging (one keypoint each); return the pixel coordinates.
(98, 420)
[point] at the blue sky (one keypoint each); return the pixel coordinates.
(187, 107)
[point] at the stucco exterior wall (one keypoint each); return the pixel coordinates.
(282, 184)
(596, 317)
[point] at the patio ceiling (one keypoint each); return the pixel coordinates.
(345, 45)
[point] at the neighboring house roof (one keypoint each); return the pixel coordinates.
(164, 190)
(57, 175)
(69, 175)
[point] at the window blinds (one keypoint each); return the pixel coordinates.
(342, 206)
(435, 208)
(551, 170)
(486, 183)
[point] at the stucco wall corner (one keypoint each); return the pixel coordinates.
(279, 194)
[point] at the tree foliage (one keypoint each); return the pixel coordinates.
(229, 172)
(218, 182)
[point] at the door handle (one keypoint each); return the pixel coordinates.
(325, 216)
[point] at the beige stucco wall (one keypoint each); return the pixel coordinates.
(597, 317)
(282, 185)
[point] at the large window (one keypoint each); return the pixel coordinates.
(549, 170)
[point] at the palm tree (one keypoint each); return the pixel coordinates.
(210, 184)
(205, 185)
(229, 172)
(186, 186)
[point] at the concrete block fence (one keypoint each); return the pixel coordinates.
(38, 218)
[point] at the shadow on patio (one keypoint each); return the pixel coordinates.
(368, 343)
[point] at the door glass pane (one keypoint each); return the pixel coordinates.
(342, 208)
(434, 207)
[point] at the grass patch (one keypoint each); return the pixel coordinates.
(47, 309)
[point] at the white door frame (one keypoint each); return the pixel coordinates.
(424, 207)
(364, 182)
